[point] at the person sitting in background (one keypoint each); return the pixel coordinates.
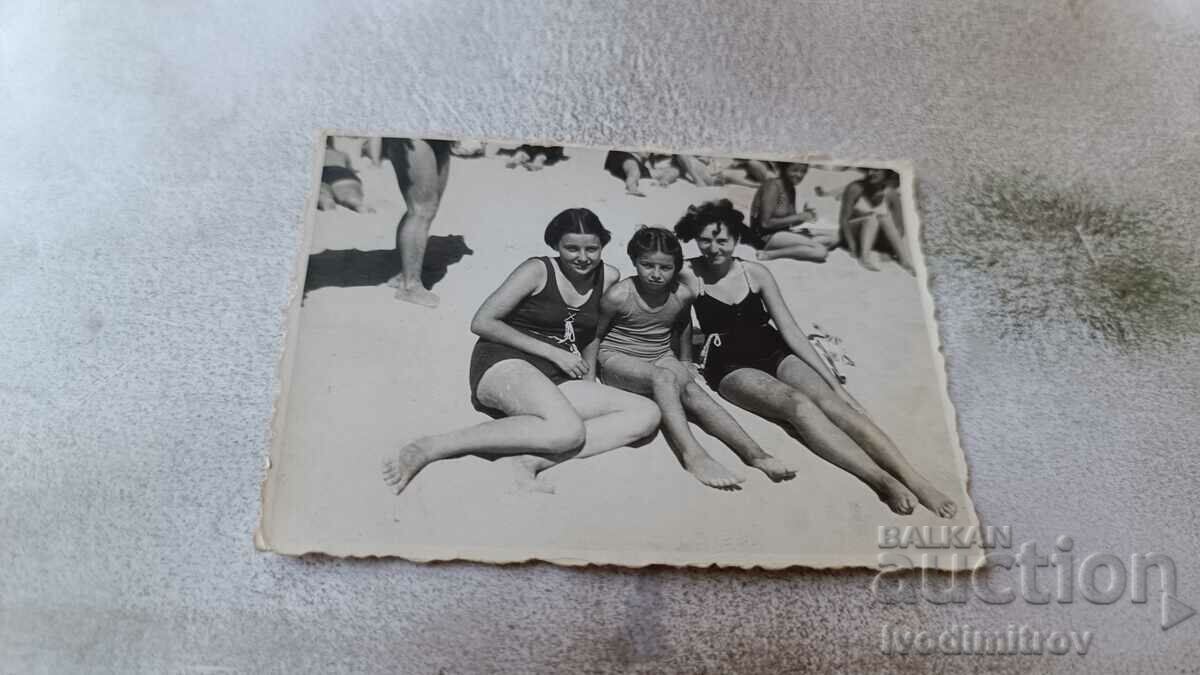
(778, 228)
(871, 207)
(632, 167)
(340, 184)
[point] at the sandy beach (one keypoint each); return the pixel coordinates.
(375, 373)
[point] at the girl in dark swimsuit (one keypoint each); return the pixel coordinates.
(779, 225)
(773, 371)
(533, 367)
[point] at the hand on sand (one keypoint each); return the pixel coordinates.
(710, 472)
(934, 500)
(775, 469)
(398, 471)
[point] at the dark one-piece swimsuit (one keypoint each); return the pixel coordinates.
(547, 317)
(739, 336)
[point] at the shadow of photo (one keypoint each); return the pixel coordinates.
(355, 267)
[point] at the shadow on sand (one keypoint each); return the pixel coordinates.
(354, 267)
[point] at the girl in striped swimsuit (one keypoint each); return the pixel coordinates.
(640, 318)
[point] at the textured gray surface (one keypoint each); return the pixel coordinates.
(157, 168)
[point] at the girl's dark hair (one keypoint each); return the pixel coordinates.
(575, 221)
(717, 211)
(891, 179)
(655, 240)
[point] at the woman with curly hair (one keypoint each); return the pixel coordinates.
(757, 358)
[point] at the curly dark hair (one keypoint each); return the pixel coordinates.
(655, 240)
(701, 216)
(575, 221)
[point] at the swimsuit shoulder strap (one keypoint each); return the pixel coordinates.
(745, 274)
(551, 280)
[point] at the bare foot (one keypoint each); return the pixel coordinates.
(525, 473)
(867, 260)
(511, 164)
(762, 255)
(712, 473)
(418, 296)
(635, 192)
(775, 469)
(934, 500)
(897, 497)
(399, 471)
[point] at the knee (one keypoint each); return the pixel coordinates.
(802, 408)
(692, 392)
(665, 379)
(561, 435)
(424, 206)
(644, 417)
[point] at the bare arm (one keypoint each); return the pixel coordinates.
(609, 304)
(772, 222)
(786, 323)
(375, 150)
(893, 201)
(527, 279)
(849, 196)
(683, 323)
(693, 170)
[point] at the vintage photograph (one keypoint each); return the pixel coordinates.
(505, 351)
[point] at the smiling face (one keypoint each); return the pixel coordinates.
(656, 269)
(579, 253)
(796, 172)
(716, 243)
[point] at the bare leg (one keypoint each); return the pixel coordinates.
(795, 246)
(849, 230)
(612, 419)
(762, 394)
(349, 193)
(866, 433)
(730, 177)
(759, 171)
(518, 159)
(893, 237)
(541, 420)
(325, 200)
(866, 243)
(633, 174)
(694, 170)
(714, 419)
(422, 169)
(640, 377)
